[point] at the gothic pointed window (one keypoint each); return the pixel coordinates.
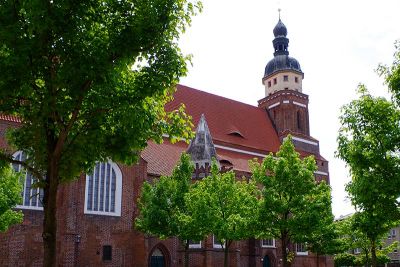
(32, 196)
(104, 190)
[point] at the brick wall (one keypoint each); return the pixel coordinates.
(81, 237)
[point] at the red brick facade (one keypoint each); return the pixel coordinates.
(81, 236)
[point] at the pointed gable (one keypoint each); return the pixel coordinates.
(201, 149)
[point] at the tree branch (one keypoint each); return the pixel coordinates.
(64, 133)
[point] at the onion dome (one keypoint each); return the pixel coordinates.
(281, 60)
(280, 29)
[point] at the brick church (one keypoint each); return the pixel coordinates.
(96, 213)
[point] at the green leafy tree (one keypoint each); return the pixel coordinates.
(225, 205)
(293, 204)
(163, 211)
(88, 80)
(344, 259)
(325, 239)
(354, 239)
(391, 75)
(368, 142)
(10, 196)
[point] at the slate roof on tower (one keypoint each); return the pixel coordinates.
(281, 60)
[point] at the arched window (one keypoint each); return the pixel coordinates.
(31, 195)
(104, 190)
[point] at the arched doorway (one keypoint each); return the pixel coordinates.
(158, 258)
(266, 261)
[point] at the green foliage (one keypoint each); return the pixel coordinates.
(361, 260)
(293, 206)
(10, 196)
(163, 210)
(226, 204)
(353, 237)
(391, 74)
(368, 142)
(218, 204)
(90, 79)
(344, 259)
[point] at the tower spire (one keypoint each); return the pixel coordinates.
(279, 13)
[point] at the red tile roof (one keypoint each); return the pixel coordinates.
(162, 158)
(225, 117)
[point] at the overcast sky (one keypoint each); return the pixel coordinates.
(338, 43)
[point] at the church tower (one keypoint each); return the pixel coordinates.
(285, 102)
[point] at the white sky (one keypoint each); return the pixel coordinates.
(338, 44)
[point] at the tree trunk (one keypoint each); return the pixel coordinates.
(226, 252)
(284, 251)
(186, 247)
(373, 254)
(50, 216)
(366, 259)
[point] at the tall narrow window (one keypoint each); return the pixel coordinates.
(275, 81)
(296, 79)
(269, 83)
(32, 196)
(104, 190)
(285, 78)
(299, 120)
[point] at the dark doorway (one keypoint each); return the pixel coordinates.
(157, 259)
(266, 261)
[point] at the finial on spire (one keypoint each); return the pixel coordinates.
(279, 12)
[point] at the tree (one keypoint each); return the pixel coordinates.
(293, 204)
(88, 80)
(225, 205)
(368, 142)
(163, 211)
(325, 239)
(10, 196)
(354, 239)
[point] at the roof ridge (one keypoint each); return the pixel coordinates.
(215, 95)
